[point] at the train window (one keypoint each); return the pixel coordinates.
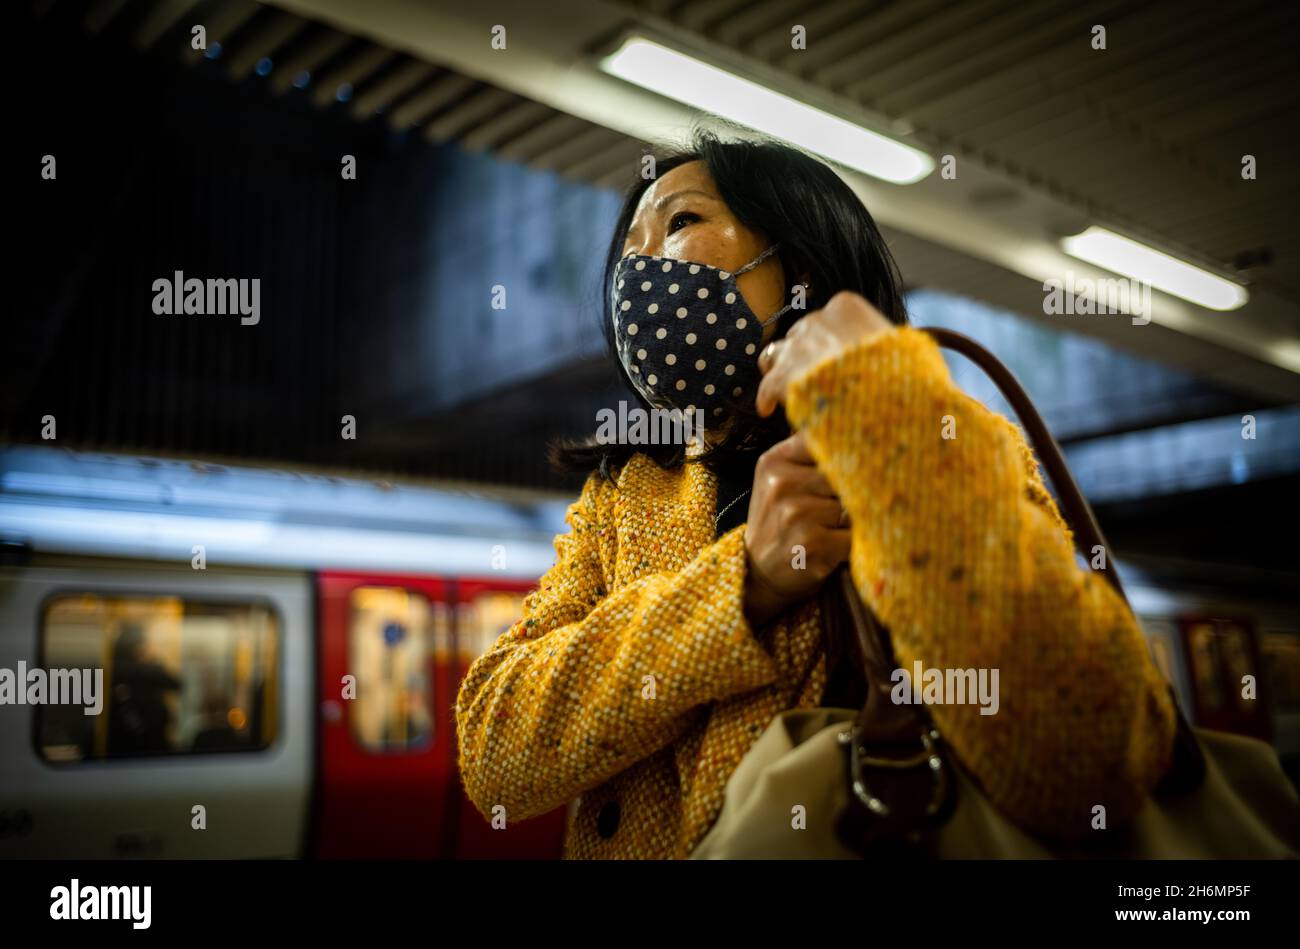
(484, 619)
(1280, 651)
(1203, 647)
(1222, 654)
(392, 638)
(179, 676)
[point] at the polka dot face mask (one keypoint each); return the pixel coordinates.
(685, 334)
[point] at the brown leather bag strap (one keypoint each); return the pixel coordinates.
(1074, 507)
(871, 641)
(871, 644)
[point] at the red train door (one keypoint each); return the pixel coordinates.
(387, 678)
(392, 653)
(1225, 665)
(485, 609)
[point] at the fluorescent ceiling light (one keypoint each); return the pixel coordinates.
(1106, 249)
(698, 84)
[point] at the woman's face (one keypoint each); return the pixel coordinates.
(682, 216)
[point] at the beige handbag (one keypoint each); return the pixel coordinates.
(880, 781)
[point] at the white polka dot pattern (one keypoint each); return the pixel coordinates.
(675, 303)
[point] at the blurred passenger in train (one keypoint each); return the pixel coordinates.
(218, 734)
(747, 281)
(139, 716)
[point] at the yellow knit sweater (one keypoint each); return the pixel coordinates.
(634, 681)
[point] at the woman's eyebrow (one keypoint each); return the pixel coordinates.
(659, 205)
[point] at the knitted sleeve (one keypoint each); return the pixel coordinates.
(959, 550)
(589, 682)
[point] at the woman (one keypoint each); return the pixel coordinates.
(679, 617)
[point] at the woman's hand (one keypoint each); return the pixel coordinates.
(847, 319)
(791, 506)
(797, 531)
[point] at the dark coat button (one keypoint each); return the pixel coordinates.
(607, 820)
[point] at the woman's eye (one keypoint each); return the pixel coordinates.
(680, 220)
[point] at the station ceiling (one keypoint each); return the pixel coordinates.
(1050, 135)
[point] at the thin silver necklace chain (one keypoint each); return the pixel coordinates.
(718, 518)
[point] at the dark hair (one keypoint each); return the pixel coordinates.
(129, 644)
(823, 231)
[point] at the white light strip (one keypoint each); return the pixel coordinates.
(1099, 246)
(696, 83)
(88, 532)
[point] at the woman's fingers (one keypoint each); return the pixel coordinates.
(797, 446)
(833, 545)
(793, 510)
(771, 391)
(846, 319)
(825, 512)
(791, 460)
(791, 355)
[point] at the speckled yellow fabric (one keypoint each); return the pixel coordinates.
(956, 546)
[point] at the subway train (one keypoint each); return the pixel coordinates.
(280, 654)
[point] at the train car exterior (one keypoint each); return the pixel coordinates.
(92, 787)
(280, 657)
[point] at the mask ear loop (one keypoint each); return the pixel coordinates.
(754, 263)
(757, 260)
